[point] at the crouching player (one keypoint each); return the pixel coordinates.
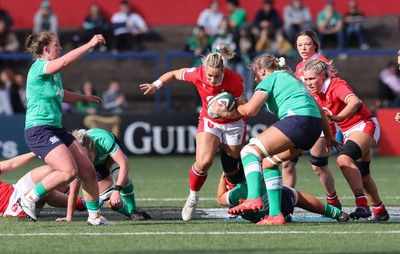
(108, 155)
(232, 195)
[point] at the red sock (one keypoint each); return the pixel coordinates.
(80, 206)
(361, 201)
(332, 199)
(196, 180)
(378, 208)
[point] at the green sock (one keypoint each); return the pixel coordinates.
(252, 169)
(40, 191)
(273, 182)
(123, 210)
(93, 205)
(331, 211)
(128, 195)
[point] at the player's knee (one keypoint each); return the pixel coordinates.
(68, 175)
(256, 148)
(352, 150)
(202, 166)
(319, 161)
(105, 195)
(272, 162)
(363, 166)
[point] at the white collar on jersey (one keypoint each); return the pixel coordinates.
(222, 78)
(325, 85)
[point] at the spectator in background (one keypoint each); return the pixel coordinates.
(355, 23)
(277, 45)
(296, 17)
(267, 16)
(5, 105)
(5, 16)
(389, 86)
(330, 23)
(7, 77)
(129, 29)
(211, 18)
(87, 107)
(238, 15)
(245, 51)
(114, 102)
(8, 39)
(225, 36)
(199, 43)
(45, 19)
(20, 81)
(96, 23)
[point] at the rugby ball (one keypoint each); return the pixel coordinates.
(223, 98)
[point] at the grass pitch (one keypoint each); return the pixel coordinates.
(161, 187)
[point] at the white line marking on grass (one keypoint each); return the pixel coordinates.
(201, 233)
(212, 199)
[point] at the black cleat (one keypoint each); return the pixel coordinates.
(343, 217)
(379, 217)
(360, 212)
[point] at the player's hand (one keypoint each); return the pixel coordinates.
(335, 118)
(149, 88)
(93, 98)
(115, 199)
(331, 143)
(64, 219)
(219, 109)
(97, 40)
(241, 100)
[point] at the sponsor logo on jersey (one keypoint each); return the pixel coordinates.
(14, 207)
(54, 140)
(60, 92)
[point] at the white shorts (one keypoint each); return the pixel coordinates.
(20, 188)
(370, 126)
(229, 133)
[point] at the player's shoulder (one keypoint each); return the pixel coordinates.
(322, 58)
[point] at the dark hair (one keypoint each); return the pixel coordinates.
(233, 2)
(314, 37)
(36, 42)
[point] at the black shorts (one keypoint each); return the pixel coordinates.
(43, 139)
(102, 171)
(303, 131)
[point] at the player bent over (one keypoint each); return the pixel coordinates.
(108, 155)
(232, 195)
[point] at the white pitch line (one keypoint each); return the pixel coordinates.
(212, 199)
(202, 233)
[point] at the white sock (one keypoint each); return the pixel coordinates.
(194, 195)
(32, 195)
(94, 214)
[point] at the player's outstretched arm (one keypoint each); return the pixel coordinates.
(16, 162)
(71, 97)
(165, 78)
(71, 57)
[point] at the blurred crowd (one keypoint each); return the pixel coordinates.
(268, 32)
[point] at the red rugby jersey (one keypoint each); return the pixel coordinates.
(332, 98)
(231, 83)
